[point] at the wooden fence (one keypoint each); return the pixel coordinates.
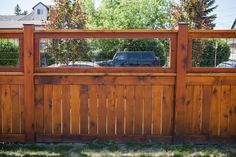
(176, 104)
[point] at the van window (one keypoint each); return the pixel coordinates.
(134, 55)
(121, 56)
(147, 56)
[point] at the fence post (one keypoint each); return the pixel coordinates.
(181, 67)
(29, 82)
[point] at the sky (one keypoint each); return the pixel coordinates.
(226, 11)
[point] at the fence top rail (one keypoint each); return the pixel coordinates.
(212, 33)
(105, 31)
(57, 34)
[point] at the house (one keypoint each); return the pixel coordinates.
(38, 17)
(232, 44)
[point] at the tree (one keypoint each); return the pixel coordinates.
(215, 51)
(132, 14)
(9, 54)
(18, 11)
(67, 14)
(198, 13)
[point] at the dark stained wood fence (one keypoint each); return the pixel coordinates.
(176, 104)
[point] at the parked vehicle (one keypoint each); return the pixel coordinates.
(227, 64)
(132, 58)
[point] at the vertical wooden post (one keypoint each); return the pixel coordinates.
(29, 83)
(181, 68)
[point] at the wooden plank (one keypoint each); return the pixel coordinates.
(120, 97)
(157, 105)
(1, 108)
(129, 114)
(47, 107)
(29, 82)
(182, 46)
(57, 109)
(102, 111)
(167, 110)
(215, 111)
(11, 80)
(84, 109)
(38, 113)
(137, 34)
(105, 80)
(15, 109)
(6, 110)
(147, 95)
(206, 109)
(225, 106)
(22, 113)
(197, 110)
(66, 109)
(138, 117)
(111, 109)
(93, 110)
(233, 112)
(188, 108)
(75, 109)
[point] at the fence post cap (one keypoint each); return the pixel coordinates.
(182, 23)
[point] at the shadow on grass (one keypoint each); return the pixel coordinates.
(112, 148)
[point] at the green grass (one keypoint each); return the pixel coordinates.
(111, 148)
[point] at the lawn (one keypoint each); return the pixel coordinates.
(112, 148)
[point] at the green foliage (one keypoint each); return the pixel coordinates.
(132, 14)
(18, 11)
(207, 58)
(9, 55)
(67, 14)
(197, 13)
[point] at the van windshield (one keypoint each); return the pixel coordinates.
(120, 56)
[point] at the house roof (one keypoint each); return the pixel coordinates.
(28, 17)
(234, 25)
(42, 4)
(11, 17)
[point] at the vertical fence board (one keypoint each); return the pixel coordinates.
(66, 109)
(215, 111)
(120, 90)
(147, 109)
(138, 122)
(157, 104)
(233, 111)
(15, 109)
(48, 95)
(1, 109)
(38, 119)
(22, 115)
(75, 108)
(6, 102)
(111, 110)
(102, 111)
(197, 110)
(188, 110)
(84, 109)
(93, 109)
(167, 110)
(57, 109)
(129, 114)
(225, 105)
(206, 109)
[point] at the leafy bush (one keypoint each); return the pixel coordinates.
(9, 55)
(210, 52)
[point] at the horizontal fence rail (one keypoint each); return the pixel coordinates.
(180, 103)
